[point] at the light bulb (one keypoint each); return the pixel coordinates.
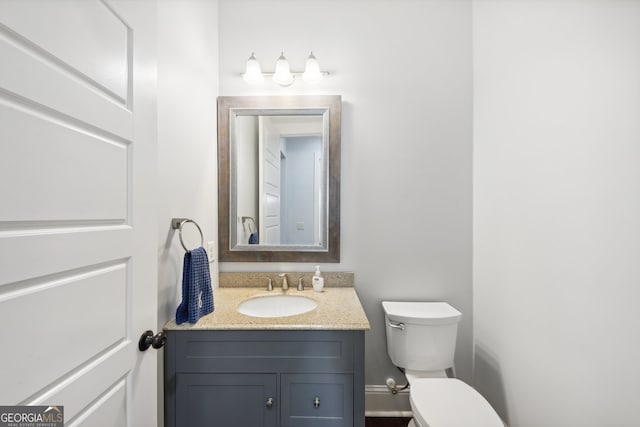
(283, 75)
(312, 70)
(253, 73)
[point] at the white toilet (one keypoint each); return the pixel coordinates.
(421, 339)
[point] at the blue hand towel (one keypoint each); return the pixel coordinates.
(253, 239)
(197, 297)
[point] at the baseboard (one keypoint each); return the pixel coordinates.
(380, 402)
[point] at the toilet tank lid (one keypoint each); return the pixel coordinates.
(422, 313)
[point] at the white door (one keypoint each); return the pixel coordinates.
(269, 182)
(77, 227)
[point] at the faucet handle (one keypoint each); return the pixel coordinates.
(269, 284)
(300, 284)
(285, 282)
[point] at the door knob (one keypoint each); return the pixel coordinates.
(316, 402)
(147, 339)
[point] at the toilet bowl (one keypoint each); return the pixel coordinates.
(421, 339)
(449, 402)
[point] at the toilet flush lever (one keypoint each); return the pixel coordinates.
(396, 325)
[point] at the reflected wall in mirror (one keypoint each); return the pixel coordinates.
(279, 178)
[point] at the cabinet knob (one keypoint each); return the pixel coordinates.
(316, 402)
(269, 402)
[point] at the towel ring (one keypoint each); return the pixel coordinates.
(248, 218)
(178, 223)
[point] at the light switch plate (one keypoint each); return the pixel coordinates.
(211, 250)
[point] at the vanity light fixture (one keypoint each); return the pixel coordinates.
(312, 71)
(283, 74)
(253, 73)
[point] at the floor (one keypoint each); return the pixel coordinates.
(386, 422)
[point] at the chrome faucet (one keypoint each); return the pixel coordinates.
(269, 285)
(285, 281)
(300, 284)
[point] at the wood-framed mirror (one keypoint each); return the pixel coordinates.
(279, 178)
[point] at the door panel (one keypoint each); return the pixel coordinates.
(34, 78)
(77, 226)
(269, 184)
(72, 174)
(109, 410)
(86, 37)
(79, 390)
(78, 306)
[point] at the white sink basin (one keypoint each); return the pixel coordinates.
(276, 306)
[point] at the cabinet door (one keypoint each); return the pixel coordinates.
(317, 400)
(226, 400)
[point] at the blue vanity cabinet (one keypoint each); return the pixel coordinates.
(221, 378)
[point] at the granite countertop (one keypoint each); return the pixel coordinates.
(338, 309)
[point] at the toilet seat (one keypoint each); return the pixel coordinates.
(449, 402)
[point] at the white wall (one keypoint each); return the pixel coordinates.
(404, 71)
(247, 176)
(299, 187)
(556, 211)
(187, 172)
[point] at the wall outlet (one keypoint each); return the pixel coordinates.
(211, 250)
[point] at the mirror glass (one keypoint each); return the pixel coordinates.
(279, 168)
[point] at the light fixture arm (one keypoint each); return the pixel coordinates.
(294, 73)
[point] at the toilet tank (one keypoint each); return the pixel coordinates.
(421, 336)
